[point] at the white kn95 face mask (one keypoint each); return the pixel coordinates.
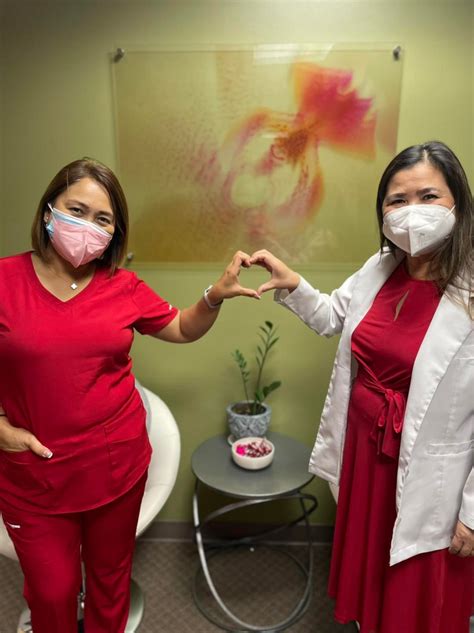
(418, 228)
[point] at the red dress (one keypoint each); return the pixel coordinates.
(428, 593)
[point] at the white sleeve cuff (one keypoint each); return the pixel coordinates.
(289, 299)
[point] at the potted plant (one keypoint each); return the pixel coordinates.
(251, 417)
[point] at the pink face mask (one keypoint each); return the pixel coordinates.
(76, 240)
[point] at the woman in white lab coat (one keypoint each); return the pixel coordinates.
(396, 432)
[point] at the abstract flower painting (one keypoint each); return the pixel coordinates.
(255, 149)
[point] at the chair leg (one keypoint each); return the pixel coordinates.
(24, 625)
(137, 606)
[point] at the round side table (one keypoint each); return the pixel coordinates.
(214, 468)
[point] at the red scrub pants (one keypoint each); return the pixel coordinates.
(50, 549)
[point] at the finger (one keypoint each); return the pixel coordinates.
(269, 285)
(262, 259)
(38, 448)
(456, 545)
(465, 551)
(262, 253)
(243, 258)
(249, 292)
(240, 259)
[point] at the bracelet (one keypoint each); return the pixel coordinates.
(212, 306)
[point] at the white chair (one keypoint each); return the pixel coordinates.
(165, 440)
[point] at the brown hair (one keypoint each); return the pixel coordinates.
(78, 169)
(452, 263)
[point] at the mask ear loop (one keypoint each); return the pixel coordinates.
(48, 220)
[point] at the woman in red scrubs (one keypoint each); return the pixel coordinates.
(74, 449)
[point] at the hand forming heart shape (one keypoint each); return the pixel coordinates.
(229, 284)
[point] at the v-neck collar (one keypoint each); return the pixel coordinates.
(52, 298)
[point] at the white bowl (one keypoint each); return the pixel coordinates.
(252, 463)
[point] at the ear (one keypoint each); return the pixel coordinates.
(47, 215)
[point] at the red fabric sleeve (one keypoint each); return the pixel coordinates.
(154, 313)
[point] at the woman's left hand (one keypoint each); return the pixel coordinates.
(229, 284)
(463, 541)
(193, 322)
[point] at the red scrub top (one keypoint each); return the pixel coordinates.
(65, 375)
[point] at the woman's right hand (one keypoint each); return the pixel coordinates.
(282, 276)
(15, 440)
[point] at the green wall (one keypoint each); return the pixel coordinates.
(56, 105)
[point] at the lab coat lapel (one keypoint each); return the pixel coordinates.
(448, 329)
(370, 284)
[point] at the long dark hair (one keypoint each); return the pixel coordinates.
(452, 263)
(78, 169)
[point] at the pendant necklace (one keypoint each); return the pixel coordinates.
(72, 284)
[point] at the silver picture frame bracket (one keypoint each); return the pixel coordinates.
(119, 54)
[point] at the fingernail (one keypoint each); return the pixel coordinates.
(48, 454)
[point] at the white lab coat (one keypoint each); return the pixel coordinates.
(435, 483)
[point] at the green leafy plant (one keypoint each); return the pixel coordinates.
(268, 339)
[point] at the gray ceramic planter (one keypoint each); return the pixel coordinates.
(245, 425)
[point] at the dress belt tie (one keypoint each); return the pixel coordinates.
(389, 419)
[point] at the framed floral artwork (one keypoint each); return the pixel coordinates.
(273, 147)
